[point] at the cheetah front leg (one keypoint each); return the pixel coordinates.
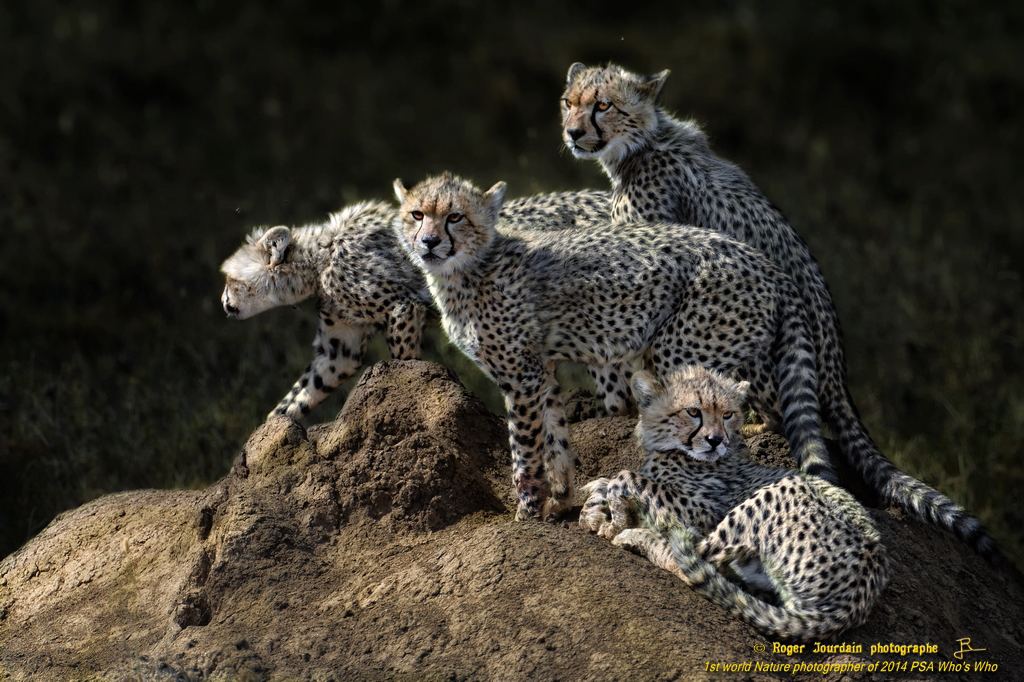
(651, 545)
(595, 505)
(525, 401)
(558, 457)
(337, 355)
(630, 500)
(673, 549)
(404, 333)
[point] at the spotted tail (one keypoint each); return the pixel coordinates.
(775, 621)
(797, 378)
(900, 489)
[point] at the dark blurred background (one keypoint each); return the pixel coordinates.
(138, 141)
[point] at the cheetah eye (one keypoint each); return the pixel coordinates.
(566, 103)
(693, 411)
(603, 106)
(454, 218)
(727, 415)
(417, 215)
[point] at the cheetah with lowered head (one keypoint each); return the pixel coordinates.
(363, 282)
(698, 507)
(518, 303)
(663, 170)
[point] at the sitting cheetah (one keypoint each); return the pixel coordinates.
(698, 507)
(663, 170)
(363, 282)
(517, 304)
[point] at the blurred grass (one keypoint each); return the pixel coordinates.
(138, 142)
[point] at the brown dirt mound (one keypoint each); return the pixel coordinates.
(381, 545)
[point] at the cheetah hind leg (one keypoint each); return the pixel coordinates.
(742, 565)
(749, 572)
(762, 398)
(611, 382)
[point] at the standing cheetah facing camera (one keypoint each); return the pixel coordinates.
(517, 304)
(663, 170)
(698, 507)
(362, 280)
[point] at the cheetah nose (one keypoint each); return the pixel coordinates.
(430, 241)
(576, 133)
(714, 441)
(230, 309)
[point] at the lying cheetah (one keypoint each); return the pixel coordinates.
(363, 282)
(698, 507)
(517, 304)
(663, 170)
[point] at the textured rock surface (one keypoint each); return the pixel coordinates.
(381, 545)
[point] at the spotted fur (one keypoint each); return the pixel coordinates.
(519, 303)
(789, 553)
(662, 169)
(364, 283)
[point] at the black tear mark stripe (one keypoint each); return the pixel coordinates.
(700, 424)
(593, 118)
(452, 238)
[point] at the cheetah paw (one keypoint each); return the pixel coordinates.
(609, 530)
(635, 539)
(554, 507)
(524, 514)
(593, 516)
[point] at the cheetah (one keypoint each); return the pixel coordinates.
(700, 508)
(662, 169)
(519, 303)
(363, 282)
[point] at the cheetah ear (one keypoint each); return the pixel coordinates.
(650, 89)
(400, 191)
(494, 198)
(275, 242)
(646, 388)
(574, 70)
(743, 388)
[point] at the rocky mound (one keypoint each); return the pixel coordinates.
(382, 545)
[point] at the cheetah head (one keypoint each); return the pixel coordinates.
(696, 411)
(263, 274)
(607, 111)
(446, 222)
